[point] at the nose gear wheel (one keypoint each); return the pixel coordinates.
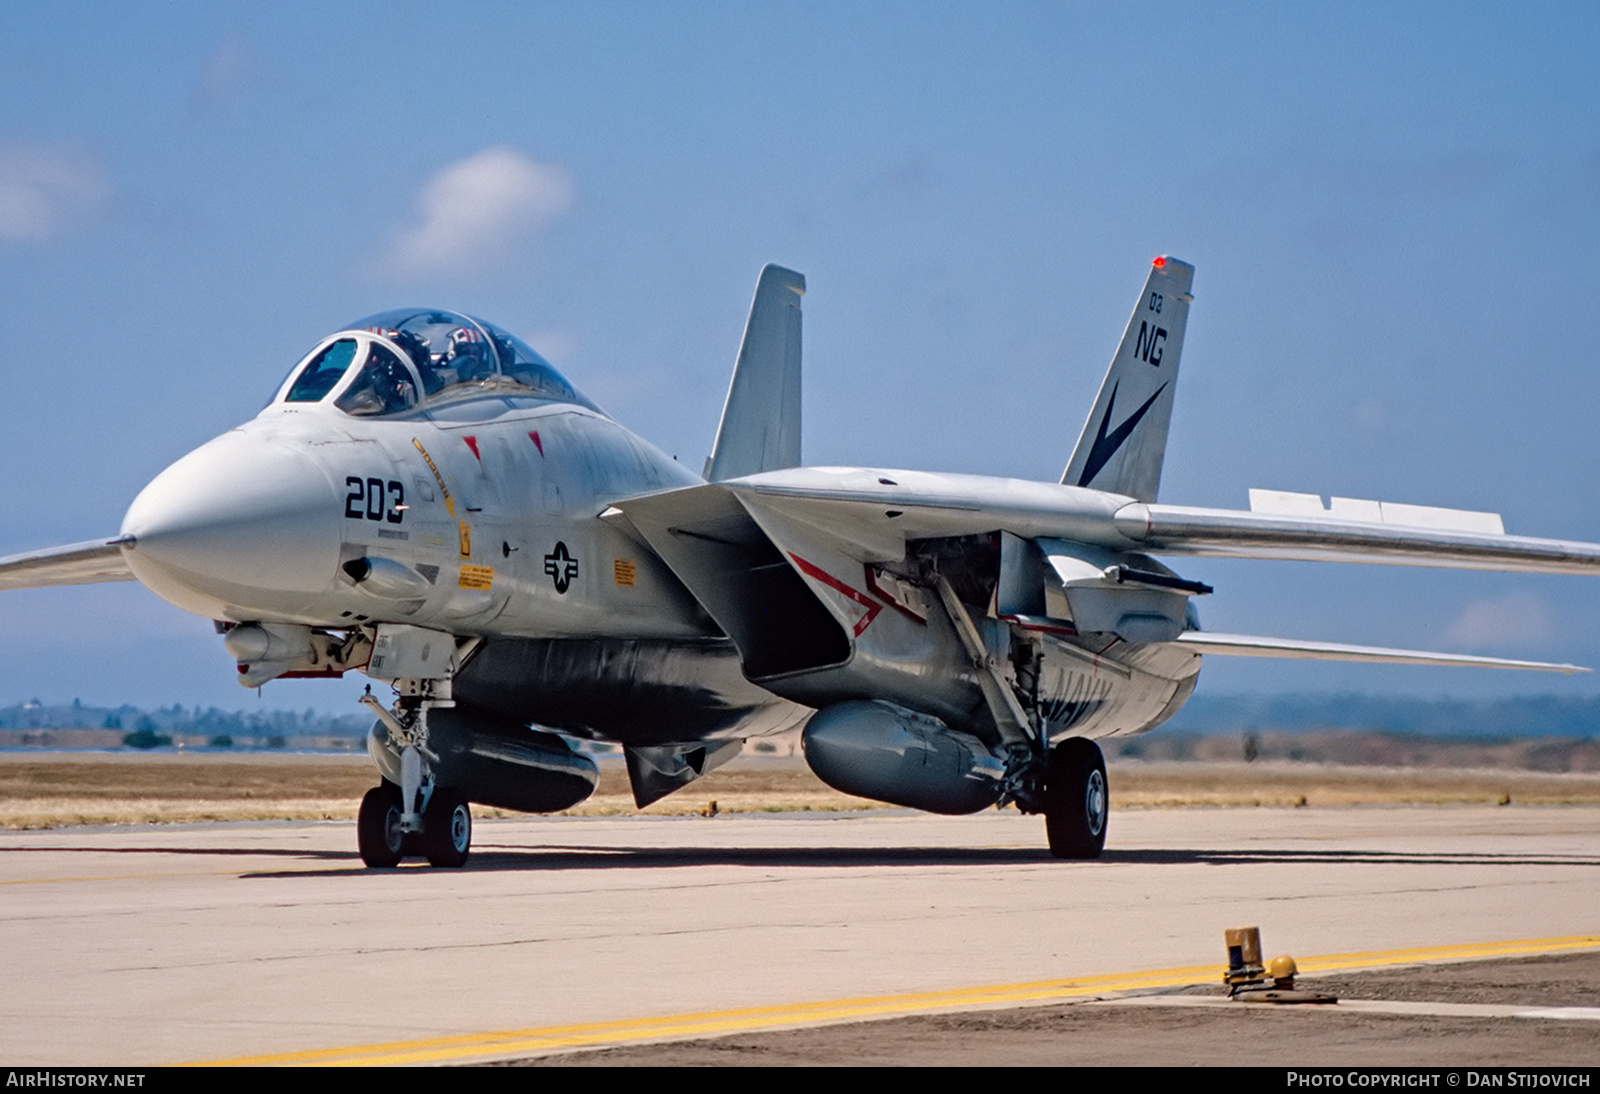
(447, 828)
(378, 832)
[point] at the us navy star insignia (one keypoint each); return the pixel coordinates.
(561, 567)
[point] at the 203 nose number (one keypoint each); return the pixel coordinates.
(370, 499)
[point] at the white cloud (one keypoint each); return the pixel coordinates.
(1514, 619)
(1370, 417)
(46, 189)
(224, 74)
(474, 211)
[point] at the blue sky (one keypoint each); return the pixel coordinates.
(1390, 208)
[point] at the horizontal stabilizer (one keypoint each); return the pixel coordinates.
(75, 564)
(1245, 645)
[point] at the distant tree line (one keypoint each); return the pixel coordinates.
(1528, 716)
(186, 721)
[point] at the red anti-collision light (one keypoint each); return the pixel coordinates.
(1159, 262)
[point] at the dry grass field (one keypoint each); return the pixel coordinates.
(44, 790)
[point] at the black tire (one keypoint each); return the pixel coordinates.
(447, 828)
(1076, 800)
(378, 833)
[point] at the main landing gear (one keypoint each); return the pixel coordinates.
(1073, 795)
(1075, 799)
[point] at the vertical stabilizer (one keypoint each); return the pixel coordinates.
(1125, 438)
(760, 428)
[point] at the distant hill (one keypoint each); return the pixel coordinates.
(1530, 716)
(1356, 748)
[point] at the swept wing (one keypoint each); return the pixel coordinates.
(878, 510)
(871, 515)
(1180, 530)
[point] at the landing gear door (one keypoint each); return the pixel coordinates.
(402, 652)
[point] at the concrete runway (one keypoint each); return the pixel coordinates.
(269, 942)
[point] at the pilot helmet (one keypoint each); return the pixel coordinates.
(469, 354)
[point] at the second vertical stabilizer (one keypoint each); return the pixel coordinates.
(1125, 439)
(760, 428)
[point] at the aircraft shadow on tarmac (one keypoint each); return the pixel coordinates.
(191, 852)
(557, 857)
(548, 857)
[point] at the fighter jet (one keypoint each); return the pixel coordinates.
(426, 500)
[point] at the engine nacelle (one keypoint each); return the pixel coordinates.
(884, 752)
(496, 763)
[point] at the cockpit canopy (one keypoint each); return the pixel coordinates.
(396, 360)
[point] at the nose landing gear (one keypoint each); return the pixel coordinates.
(445, 838)
(414, 816)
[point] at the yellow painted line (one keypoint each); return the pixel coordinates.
(1470, 952)
(755, 1019)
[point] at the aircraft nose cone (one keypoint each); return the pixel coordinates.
(241, 526)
